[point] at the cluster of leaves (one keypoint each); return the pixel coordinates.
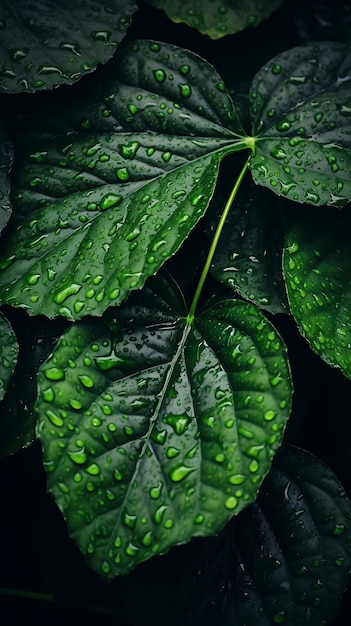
(161, 400)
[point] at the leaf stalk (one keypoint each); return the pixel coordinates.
(212, 250)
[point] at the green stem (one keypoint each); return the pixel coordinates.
(215, 241)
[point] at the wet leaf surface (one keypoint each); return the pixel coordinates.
(154, 430)
(44, 44)
(106, 210)
(317, 274)
(283, 560)
(218, 18)
(6, 159)
(249, 256)
(8, 353)
(301, 115)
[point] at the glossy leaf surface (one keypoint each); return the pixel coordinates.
(8, 353)
(44, 43)
(301, 116)
(154, 430)
(283, 560)
(6, 158)
(249, 256)
(110, 207)
(218, 18)
(317, 269)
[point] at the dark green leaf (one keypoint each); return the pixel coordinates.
(301, 115)
(6, 158)
(8, 353)
(283, 560)
(249, 257)
(317, 270)
(154, 430)
(36, 337)
(111, 208)
(217, 18)
(44, 43)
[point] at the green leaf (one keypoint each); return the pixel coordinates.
(36, 337)
(249, 257)
(154, 430)
(217, 18)
(8, 353)
(106, 210)
(283, 560)
(45, 44)
(6, 158)
(301, 116)
(317, 270)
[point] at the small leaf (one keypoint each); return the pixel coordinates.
(317, 270)
(8, 353)
(249, 257)
(104, 210)
(44, 44)
(217, 18)
(6, 158)
(154, 430)
(301, 116)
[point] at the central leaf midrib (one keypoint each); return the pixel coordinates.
(102, 215)
(153, 419)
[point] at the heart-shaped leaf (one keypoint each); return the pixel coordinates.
(217, 18)
(317, 270)
(283, 560)
(6, 158)
(8, 353)
(44, 43)
(301, 116)
(111, 208)
(155, 430)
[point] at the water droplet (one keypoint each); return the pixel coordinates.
(269, 415)
(109, 201)
(147, 539)
(101, 35)
(231, 503)
(49, 394)
(160, 75)
(180, 472)
(54, 373)
(185, 90)
(78, 457)
(129, 150)
(55, 419)
(237, 479)
(62, 295)
(178, 422)
(129, 520)
(279, 618)
(93, 469)
(278, 153)
(253, 467)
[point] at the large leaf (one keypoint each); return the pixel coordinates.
(217, 18)
(8, 353)
(301, 116)
(106, 209)
(284, 560)
(45, 43)
(249, 257)
(154, 430)
(317, 270)
(6, 158)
